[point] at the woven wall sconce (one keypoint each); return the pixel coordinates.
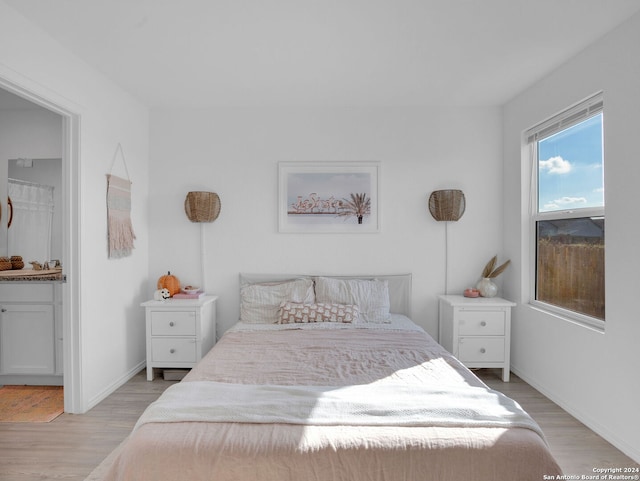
(202, 206)
(447, 205)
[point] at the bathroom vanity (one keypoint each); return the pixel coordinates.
(31, 328)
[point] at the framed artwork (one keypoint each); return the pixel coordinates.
(328, 197)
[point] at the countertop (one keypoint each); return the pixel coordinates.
(30, 275)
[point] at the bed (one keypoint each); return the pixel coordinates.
(327, 378)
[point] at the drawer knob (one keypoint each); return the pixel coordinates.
(483, 350)
(172, 350)
(171, 324)
(483, 323)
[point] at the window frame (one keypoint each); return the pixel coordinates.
(565, 119)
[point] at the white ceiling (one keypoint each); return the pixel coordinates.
(172, 53)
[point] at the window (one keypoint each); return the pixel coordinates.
(567, 215)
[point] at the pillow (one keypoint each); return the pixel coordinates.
(260, 302)
(371, 296)
(291, 312)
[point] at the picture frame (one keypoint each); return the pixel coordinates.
(329, 197)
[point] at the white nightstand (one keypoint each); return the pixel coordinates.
(477, 330)
(179, 332)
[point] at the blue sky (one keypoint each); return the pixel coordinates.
(570, 168)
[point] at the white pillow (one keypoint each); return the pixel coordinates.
(260, 303)
(371, 296)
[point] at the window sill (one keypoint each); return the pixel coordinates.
(588, 322)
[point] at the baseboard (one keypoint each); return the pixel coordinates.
(110, 389)
(595, 426)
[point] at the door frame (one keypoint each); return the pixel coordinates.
(71, 240)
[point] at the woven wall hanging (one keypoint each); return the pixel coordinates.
(119, 227)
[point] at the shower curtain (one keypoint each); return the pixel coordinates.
(30, 232)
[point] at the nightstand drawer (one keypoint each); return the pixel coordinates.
(173, 323)
(479, 349)
(173, 350)
(481, 323)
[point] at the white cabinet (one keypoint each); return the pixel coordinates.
(30, 334)
(27, 339)
(179, 332)
(477, 331)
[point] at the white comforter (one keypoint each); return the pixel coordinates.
(360, 405)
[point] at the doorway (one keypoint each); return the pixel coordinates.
(15, 97)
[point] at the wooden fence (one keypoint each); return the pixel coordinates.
(572, 276)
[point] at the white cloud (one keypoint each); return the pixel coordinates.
(565, 203)
(556, 165)
(571, 200)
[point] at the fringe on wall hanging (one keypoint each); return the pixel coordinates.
(119, 228)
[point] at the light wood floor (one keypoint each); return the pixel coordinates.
(577, 449)
(71, 446)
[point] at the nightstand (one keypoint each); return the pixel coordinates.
(477, 331)
(179, 332)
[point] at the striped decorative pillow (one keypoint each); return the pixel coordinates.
(260, 303)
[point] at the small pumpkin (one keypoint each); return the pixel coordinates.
(169, 282)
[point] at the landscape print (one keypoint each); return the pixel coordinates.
(328, 197)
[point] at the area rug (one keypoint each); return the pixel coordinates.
(31, 404)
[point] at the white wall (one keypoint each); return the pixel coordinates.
(593, 375)
(30, 133)
(235, 152)
(109, 291)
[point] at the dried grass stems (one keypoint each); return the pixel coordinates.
(490, 270)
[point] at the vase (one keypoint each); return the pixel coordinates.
(487, 287)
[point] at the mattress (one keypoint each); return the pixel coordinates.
(375, 356)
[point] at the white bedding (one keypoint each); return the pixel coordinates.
(378, 403)
(375, 404)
